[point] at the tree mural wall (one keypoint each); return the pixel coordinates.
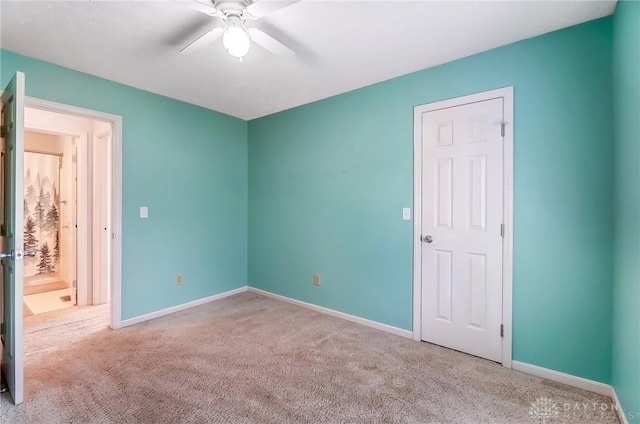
(41, 213)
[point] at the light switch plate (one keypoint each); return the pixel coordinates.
(406, 214)
(144, 212)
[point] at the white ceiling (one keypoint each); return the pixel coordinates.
(341, 45)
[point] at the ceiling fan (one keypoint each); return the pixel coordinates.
(235, 14)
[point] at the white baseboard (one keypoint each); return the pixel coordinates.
(560, 377)
(167, 311)
(616, 401)
(362, 321)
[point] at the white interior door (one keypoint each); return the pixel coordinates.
(12, 232)
(462, 204)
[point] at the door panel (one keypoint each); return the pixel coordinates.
(444, 283)
(12, 231)
(462, 203)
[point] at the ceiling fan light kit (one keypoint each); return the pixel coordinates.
(236, 41)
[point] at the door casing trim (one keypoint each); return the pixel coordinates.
(506, 94)
(116, 194)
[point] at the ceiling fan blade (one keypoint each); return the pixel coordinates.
(263, 7)
(204, 40)
(269, 43)
(203, 6)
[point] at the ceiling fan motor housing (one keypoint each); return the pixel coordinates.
(235, 7)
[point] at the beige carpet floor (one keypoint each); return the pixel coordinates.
(251, 359)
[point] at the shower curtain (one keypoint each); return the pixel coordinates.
(41, 213)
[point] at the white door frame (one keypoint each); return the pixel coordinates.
(507, 251)
(116, 193)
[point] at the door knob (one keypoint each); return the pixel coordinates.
(16, 255)
(427, 239)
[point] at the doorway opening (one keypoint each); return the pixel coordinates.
(67, 199)
(49, 208)
(12, 134)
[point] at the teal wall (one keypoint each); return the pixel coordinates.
(328, 180)
(187, 164)
(626, 300)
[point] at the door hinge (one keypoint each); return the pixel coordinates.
(3, 131)
(502, 230)
(74, 285)
(502, 126)
(2, 329)
(501, 330)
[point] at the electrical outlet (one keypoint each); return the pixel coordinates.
(316, 279)
(179, 279)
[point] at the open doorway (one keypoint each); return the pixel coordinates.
(67, 190)
(49, 207)
(14, 102)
